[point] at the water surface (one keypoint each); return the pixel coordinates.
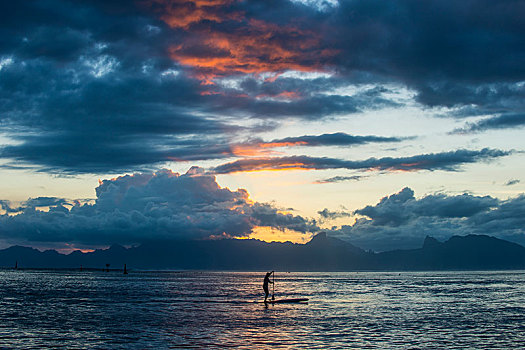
(161, 310)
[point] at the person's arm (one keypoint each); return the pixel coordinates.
(269, 279)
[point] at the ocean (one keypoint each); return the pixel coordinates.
(206, 310)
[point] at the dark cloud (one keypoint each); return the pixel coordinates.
(397, 39)
(434, 45)
(331, 215)
(94, 87)
(259, 147)
(91, 90)
(224, 38)
(504, 121)
(402, 221)
(473, 61)
(400, 207)
(452, 54)
(335, 139)
(475, 99)
(309, 107)
(45, 202)
(97, 86)
(146, 206)
(448, 161)
(336, 179)
(8, 208)
(512, 182)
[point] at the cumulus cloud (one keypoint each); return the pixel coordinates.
(397, 208)
(168, 206)
(147, 206)
(448, 161)
(402, 221)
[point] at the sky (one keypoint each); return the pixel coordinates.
(378, 122)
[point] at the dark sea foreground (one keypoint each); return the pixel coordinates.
(161, 310)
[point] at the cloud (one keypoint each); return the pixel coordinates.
(107, 96)
(512, 182)
(378, 42)
(259, 147)
(335, 139)
(8, 208)
(402, 221)
(221, 40)
(327, 214)
(106, 87)
(448, 161)
(336, 179)
(303, 107)
(394, 42)
(33, 203)
(98, 98)
(503, 121)
(398, 208)
(400, 40)
(184, 14)
(146, 206)
(45, 202)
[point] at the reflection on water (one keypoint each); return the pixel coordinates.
(156, 310)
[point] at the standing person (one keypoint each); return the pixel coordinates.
(265, 284)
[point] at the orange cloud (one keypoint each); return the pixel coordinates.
(268, 164)
(449, 161)
(69, 248)
(291, 95)
(258, 149)
(184, 13)
(282, 144)
(285, 95)
(416, 165)
(246, 150)
(247, 46)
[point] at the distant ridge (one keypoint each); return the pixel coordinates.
(322, 253)
(469, 252)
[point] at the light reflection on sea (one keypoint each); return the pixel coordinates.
(157, 310)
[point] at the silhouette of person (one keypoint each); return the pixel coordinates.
(265, 285)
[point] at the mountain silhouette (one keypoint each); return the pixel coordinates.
(322, 253)
(470, 252)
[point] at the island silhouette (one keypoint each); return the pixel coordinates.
(322, 253)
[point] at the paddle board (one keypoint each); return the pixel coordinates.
(285, 301)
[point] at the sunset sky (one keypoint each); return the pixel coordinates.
(379, 122)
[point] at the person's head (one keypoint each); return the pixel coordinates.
(268, 274)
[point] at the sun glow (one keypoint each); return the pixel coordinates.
(270, 234)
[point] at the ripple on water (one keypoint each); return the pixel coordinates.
(148, 310)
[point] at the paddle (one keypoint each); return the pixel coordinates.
(273, 285)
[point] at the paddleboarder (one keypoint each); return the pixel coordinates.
(265, 284)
